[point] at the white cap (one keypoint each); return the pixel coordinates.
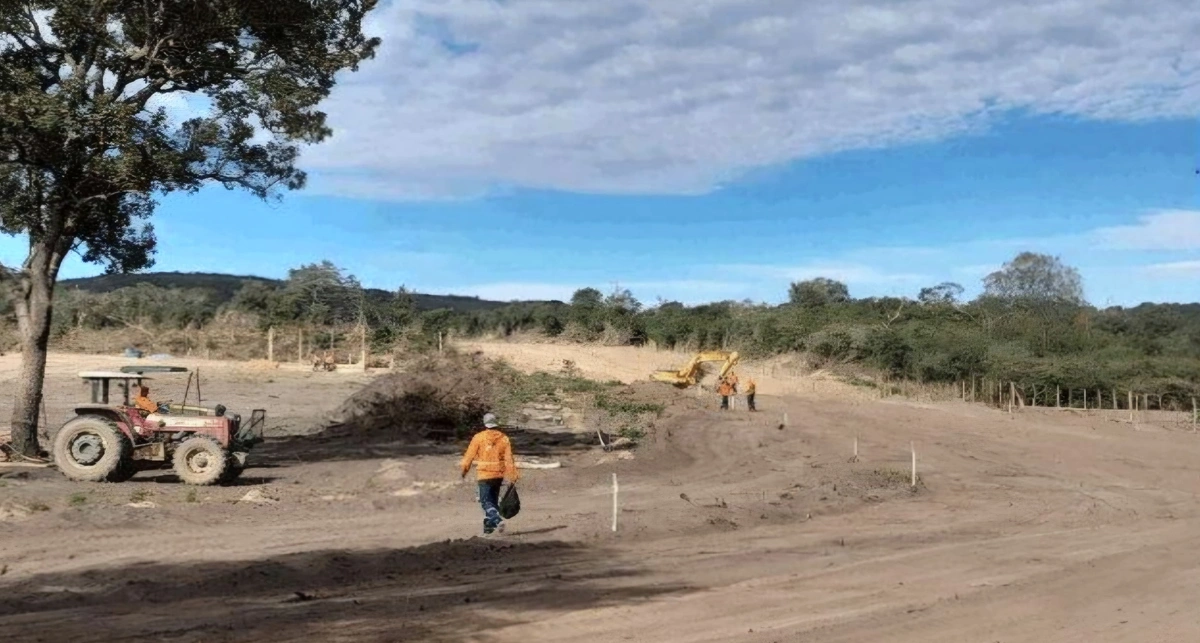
(489, 420)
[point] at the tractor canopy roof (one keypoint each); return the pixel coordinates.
(111, 375)
(139, 369)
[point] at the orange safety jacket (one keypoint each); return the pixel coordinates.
(491, 453)
(725, 389)
(146, 404)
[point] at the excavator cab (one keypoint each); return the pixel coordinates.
(691, 372)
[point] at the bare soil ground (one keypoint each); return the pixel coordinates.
(1037, 526)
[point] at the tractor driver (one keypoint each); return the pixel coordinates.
(144, 403)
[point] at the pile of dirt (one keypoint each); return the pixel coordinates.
(435, 398)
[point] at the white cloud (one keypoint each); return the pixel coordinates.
(1165, 230)
(1174, 269)
(660, 96)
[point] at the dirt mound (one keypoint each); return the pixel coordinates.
(436, 398)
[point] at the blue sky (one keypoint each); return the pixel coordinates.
(526, 149)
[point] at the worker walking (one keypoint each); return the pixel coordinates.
(751, 388)
(491, 453)
(725, 389)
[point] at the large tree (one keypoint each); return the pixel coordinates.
(818, 292)
(1035, 278)
(86, 144)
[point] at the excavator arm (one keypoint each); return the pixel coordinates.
(686, 376)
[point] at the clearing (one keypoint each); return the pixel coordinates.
(1036, 526)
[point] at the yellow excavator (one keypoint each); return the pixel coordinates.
(687, 376)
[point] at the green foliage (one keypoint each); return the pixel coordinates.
(617, 406)
(818, 292)
(1035, 277)
(85, 145)
(522, 389)
(225, 287)
(1033, 334)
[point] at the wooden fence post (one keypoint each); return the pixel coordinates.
(363, 345)
(1085, 399)
(1115, 405)
(972, 387)
(1193, 415)
(1057, 396)
(271, 344)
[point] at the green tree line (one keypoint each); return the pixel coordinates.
(1031, 325)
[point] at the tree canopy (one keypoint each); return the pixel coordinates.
(87, 141)
(1037, 278)
(934, 337)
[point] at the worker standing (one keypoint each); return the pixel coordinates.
(491, 453)
(751, 388)
(725, 389)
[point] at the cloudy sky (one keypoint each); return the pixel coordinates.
(722, 148)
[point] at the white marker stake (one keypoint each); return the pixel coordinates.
(785, 418)
(914, 464)
(856, 447)
(614, 526)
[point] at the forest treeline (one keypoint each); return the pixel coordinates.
(1030, 324)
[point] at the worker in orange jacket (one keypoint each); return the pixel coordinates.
(751, 388)
(491, 453)
(143, 402)
(725, 389)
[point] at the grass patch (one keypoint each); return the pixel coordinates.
(634, 433)
(855, 380)
(631, 407)
(520, 389)
(77, 500)
(140, 495)
(39, 506)
(191, 496)
(889, 478)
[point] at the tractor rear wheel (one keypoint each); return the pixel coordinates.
(200, 460)
(92, 449)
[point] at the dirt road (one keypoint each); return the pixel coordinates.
(1032, 527)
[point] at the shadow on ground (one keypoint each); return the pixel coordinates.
(331, 445)
(445, 591)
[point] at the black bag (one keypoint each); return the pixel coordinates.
(510, 504)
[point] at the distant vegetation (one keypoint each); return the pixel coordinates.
(221, 289)
(1030, 325)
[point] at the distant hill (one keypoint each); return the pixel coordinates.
(224, 287)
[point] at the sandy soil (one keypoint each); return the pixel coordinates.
(1037, 526)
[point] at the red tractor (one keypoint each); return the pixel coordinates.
(110, 441)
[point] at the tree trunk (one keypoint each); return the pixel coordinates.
(32, 289)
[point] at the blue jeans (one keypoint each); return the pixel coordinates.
(489, 499)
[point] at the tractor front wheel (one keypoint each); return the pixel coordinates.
(237, 464)
(200, 460)
(93, 449)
